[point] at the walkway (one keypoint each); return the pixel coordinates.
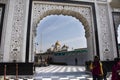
(58, 72)
(54, 72)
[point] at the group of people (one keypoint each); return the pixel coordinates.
(99, 70)
(44, 61)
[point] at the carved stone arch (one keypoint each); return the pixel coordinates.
(69, 13)
(83, 13)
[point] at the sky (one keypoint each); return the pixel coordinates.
(66, 29)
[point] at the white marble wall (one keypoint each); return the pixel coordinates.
(15, 26)
(105, 31)
(14, 30)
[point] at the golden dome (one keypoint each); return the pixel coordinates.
(57, 43)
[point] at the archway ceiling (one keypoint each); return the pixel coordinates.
(115, 3)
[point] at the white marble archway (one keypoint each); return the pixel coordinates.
(81, 12)
(19, 26)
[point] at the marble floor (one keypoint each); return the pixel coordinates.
(56, 72)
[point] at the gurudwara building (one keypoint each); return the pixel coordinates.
(19, 19)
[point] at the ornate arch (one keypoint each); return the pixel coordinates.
(81, 12)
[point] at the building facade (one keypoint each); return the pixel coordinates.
(19, 19)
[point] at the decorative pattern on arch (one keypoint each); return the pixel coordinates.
(82, 12)
(69, 13)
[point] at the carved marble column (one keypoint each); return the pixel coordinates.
(104, 29)
(15, 30)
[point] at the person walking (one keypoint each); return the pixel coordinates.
(104, 72)
(96, 69)
(76, 61)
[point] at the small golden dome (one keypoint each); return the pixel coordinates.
(57, 43)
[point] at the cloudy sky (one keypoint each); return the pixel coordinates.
(66, 29)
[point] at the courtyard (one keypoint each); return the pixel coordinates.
(56, 72)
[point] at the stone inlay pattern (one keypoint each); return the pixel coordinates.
(17, 30)
(105, 32)
(43, 9)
